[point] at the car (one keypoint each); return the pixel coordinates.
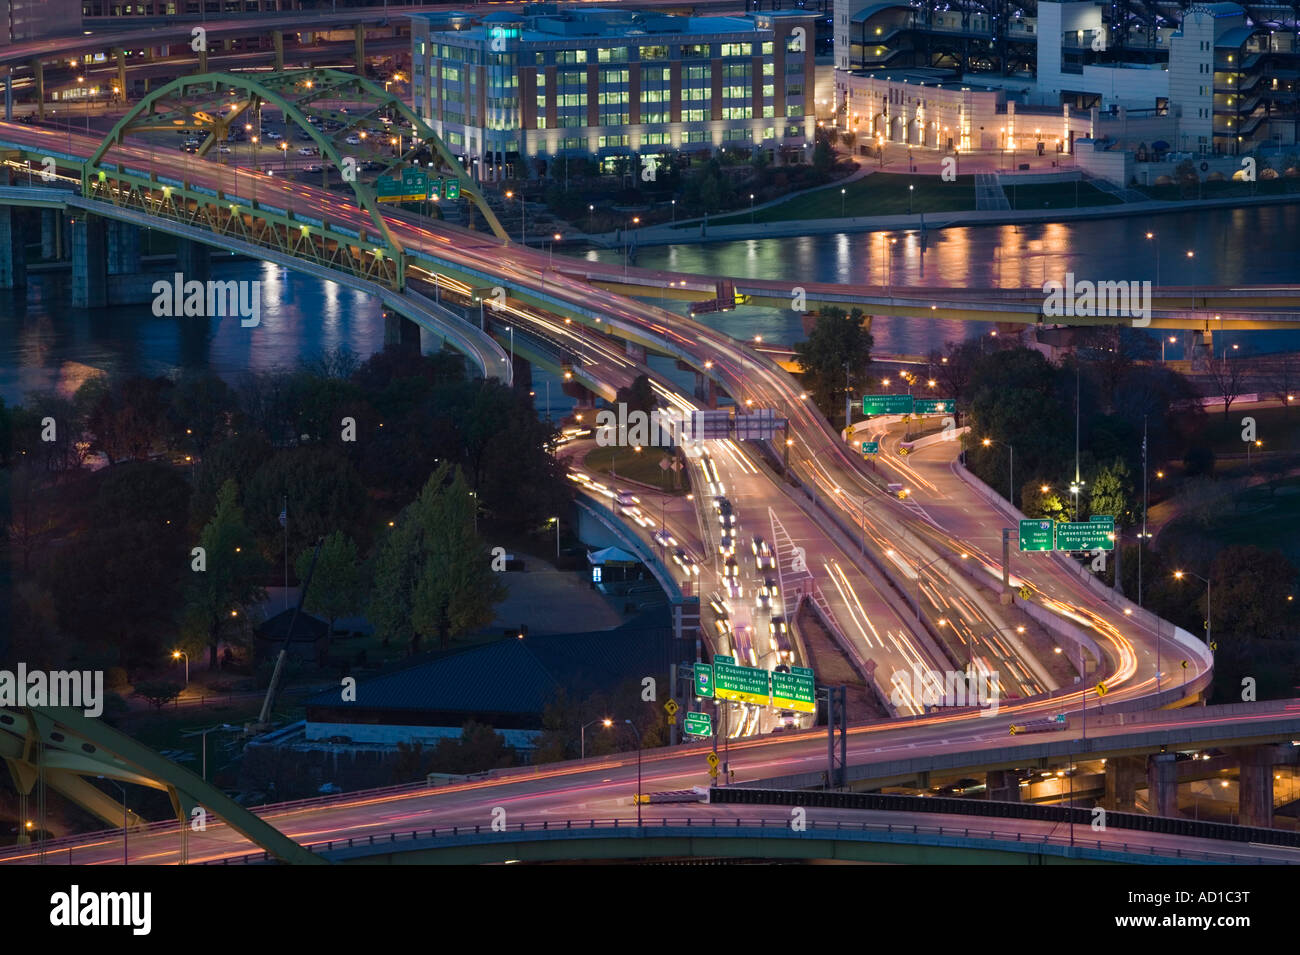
(223, 148)
(726, 516)
(370, 165)
(665, 539)
(766, 594)
(778, 628)
(302, 135)
(271, 135)
(734, 589)
(308, 151)
(763, 557)
(187, 148)
(731, 568)
(353, 140)
(314, 167)
(727, 544)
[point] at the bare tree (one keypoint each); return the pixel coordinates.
(1280, 376)
(1228, 376)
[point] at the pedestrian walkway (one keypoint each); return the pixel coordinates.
(989, 193)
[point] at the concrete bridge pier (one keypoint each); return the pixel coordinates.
(123, 248)
(523, 370)
(400, 331)
(1162, 784)
(1124, 776)
(13, 249)
(193, 260)
(1198, 346)
(89, 262)
(635, 352)
(580, 393)
(1003, 786)
(52, 234)
(1255, 784)
(706, 389)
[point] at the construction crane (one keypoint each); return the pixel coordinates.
(264, 718)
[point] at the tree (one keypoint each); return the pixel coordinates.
(127, 418)
(201, 412)
(1112, 493)
(1041, 500)
(336, 589)
(638, 396)
(838, 350)
(1228, 375)
(396, 564)
(455, 588)
(158, 693)
(1249, 593)
(227, 586)
(324, 490)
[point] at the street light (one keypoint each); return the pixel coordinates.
(638, 770)
(843, 194)
(557, 530)
(1152, 237)
(1178, 575)
(176, 655)
(606, 722)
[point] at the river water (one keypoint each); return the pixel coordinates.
(45, 343)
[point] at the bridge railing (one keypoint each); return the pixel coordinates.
(774, 827)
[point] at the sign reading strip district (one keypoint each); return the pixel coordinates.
(746, 684)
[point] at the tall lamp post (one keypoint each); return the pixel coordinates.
(1179, 575)
(176, 655)
(1152, 237)
(606, 722)
(638, 771)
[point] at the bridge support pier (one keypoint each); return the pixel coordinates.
(51, 234)
(89, 262)
(635, 352)
(1255, 784)
(523, 370)
(1198, 346)
(400, 331)
(193, 260)
(123, 248)
(1162, 784)
(706, 389)
(1003, 786)
(583, 395)
(1123, 779)
(13, 249)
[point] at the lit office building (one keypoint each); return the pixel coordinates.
(508, 88)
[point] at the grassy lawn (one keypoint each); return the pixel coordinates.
(1057, 195)
(879, 194)
(1264, 516)
(1278, 428)
(640, 465)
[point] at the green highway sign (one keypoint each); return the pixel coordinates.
(703, 679)
(388, 189)
(870, 447)
(802, 671)
(451, 189)
(886, 404)
(794, 691)
(698, 724)
(1037, 535)
(935, 406)
(1101, 519)
(1089, 535)
(723, 658)
(746, 684)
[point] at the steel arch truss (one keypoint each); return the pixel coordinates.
(64, 749)
(211, 104)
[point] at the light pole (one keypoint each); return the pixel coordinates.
(1178, 575)
(125, 817)
(1151, 236)
(910, 190)
(1171, 339)
(1011, 470)
(638, 771)
(606, 722)
(751, 208)
(674, 211)
(843, 195)
(557, 537)
(176, 655)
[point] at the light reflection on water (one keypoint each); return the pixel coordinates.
(46, 343)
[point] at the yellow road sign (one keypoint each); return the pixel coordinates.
(1101, 689)
(1025, 592)
(1184, 664)
(713, 772)
(672, 707)
(713, 760)
(672, 720)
